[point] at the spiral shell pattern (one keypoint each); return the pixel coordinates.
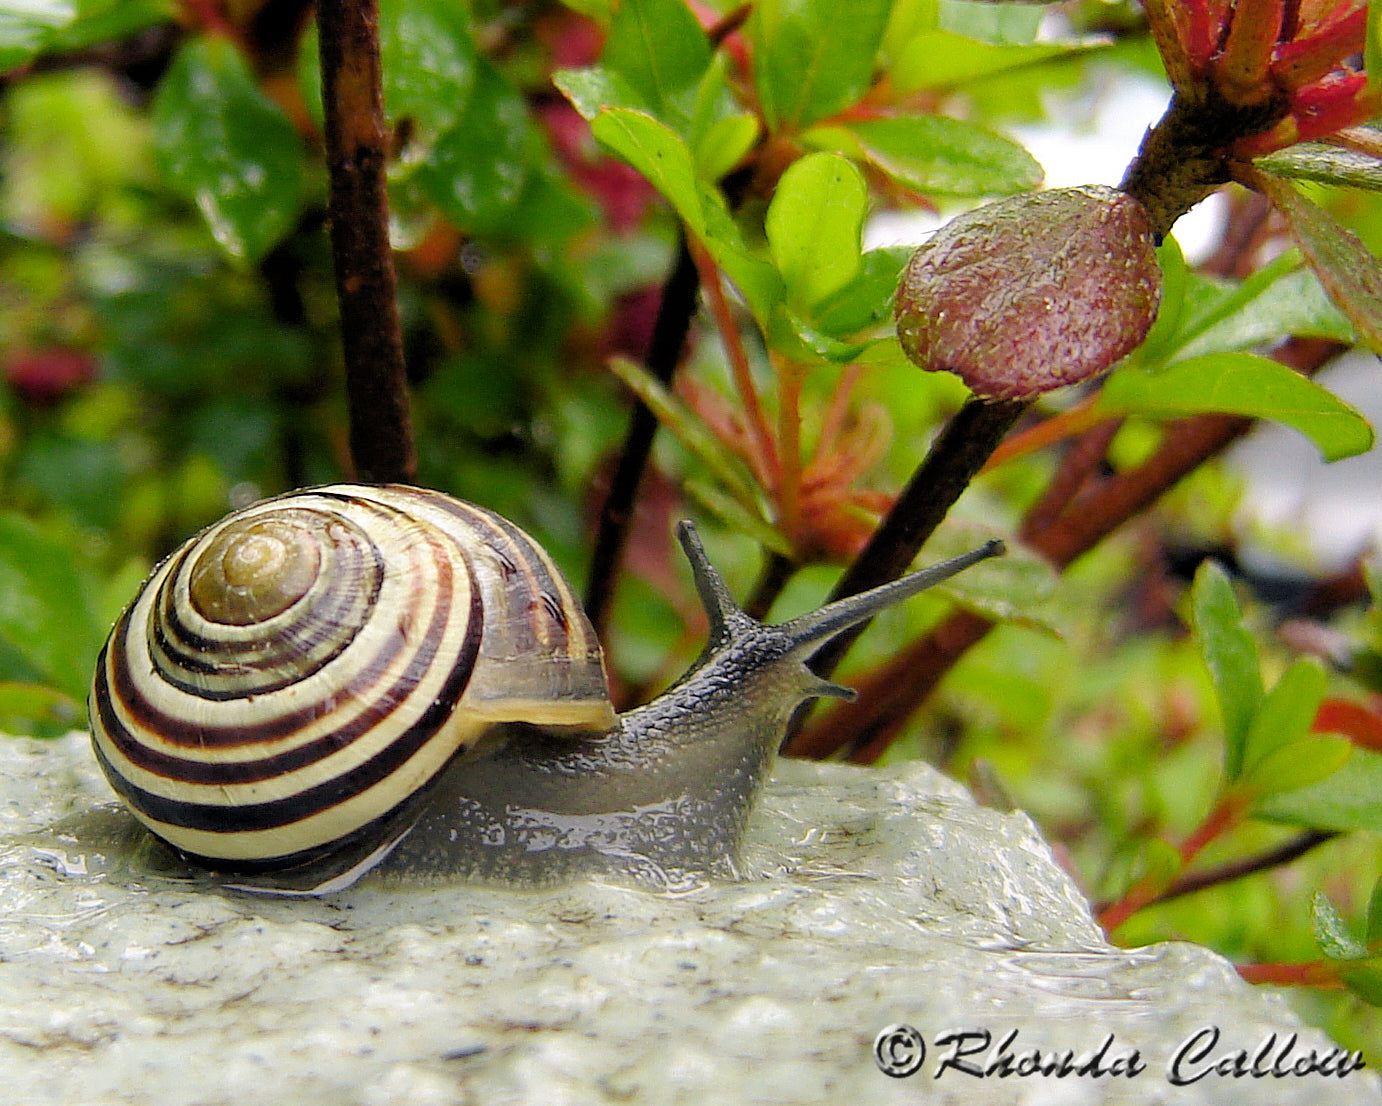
(293, 677)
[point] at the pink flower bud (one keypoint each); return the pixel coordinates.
(1032, 292)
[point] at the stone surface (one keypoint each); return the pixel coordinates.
(873, 897)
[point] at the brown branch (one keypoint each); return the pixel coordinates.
(381, 434)
(1282, 854)
(673, 323)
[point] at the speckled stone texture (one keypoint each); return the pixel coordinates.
(874, 897)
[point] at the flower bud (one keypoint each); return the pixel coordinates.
(1032, 292)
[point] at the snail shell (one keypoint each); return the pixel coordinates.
(288, 680)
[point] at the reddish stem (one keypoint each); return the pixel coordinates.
(1307, 973)
(763, 455)
(789, 446)
(1227, 813)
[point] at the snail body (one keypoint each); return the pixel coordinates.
(328, 676)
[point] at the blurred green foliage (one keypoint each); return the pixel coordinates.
(168, 347)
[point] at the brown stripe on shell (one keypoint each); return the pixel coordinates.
(288, 648)
(323, 794)
(196, 734)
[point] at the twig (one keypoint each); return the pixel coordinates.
(763, 453)
(788, 445)
(1227, 813)
(1276, 857)
(670, 329)
(381, 434)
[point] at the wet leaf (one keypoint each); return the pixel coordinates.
(1242, 384)
(479, 167)
(936, 154)
(659, 50)
(429, 61)
(228, 148)
(1332, 933)
(813, 57)
(1327, 164)
(1347, 268)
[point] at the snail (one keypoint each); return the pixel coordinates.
(330, 675)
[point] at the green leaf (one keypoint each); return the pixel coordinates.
(724, 144)
(942, 59)
(1293, 303)
(814, 225)
(1374, 932)
(40, 708)
(600, 10)
(1331, 932)
(594, 89)
(662, 156)
(757, 280)
(1364, 980)
(1350, 799)
(813, 58)
(102, 21)
(691, 432)
(429, 61)
(868, 298)
(737, 517)
(1175, 277)
(1241, 384)
(1284, 715)
(479, 167)
(818, 342)
(228, 148)
(44, 612)
(1297, 763)
(1159, 863)
(934, 153)
(989, 22)
(657, 152)
(660, 51)
(1348, 270)
(1230, 655)
(1319, 161)
(907, 19)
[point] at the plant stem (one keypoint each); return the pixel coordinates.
(670, 329)
(789, 447)
(381, 435)
(1307, 973)
(1228, 812)
(1282, 854)
(1183, 158)
(952, 462)
(763, 454)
